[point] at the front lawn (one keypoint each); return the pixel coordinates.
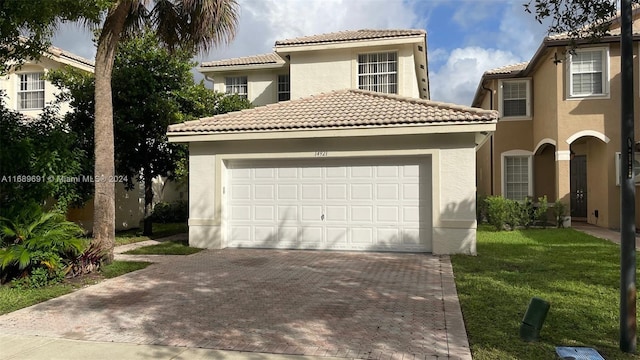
(159, 231)
(577, 273)
(12, 299)
(165, 248)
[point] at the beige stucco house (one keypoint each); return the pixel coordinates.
(343, 152)
(559, 131)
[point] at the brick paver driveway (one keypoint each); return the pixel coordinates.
(362, 305)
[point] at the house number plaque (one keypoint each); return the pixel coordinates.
(321, 153)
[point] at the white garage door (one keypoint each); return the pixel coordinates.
(355, 204)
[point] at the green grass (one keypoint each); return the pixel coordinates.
(165, 248)
(159, 231)
(577, 273)
(118, 268)
(12, 299)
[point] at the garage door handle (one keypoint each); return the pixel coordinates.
(322, 217)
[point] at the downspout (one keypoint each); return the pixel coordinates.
(492, 135)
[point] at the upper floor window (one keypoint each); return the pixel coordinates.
(515, 98)
(284, 92)
(589, 72)
(236, 85)
(517, 175)
(378, 72)
(31, 91)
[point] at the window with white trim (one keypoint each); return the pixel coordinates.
(284, 92)
(517, 177)
(31, 91)
(236, 85)
(515, 98)
(589, 72)
(378, 72)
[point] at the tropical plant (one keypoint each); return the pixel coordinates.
(34, 239)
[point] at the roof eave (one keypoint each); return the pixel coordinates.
(410, 39)
(433, 128)
(225, 68)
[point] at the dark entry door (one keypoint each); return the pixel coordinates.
(579, 186)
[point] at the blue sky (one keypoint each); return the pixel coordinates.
(465, 37)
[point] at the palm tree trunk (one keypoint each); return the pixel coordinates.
(104, 208)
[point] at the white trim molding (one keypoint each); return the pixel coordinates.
(593, 133)
(515, 153)
(545, 141)
(563, 155)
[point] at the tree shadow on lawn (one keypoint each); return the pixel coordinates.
(293, 302)
(577, 273)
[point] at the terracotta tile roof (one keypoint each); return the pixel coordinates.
(342, 109)
(508, 69)
(350, 35)
(271, 58)
(56, 51)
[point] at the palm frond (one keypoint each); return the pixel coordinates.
(195, 25)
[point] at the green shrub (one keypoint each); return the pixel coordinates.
(508, 214)
(497, 209)
(560, 212)
(481, 208)
(540, 212)
(164, 212)
(33, 239)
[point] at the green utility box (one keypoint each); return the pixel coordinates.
(533, 319)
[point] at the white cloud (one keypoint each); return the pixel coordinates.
(265, 21)
(456, 81)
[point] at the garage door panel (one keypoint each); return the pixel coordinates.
(387, 172)
(362, 172)
(241, 212)
(264, 234)
(337, 236)
(264, 192)
(388, 192)
(338, 172)
(348, 204)
(362, 213)
(337, 213)
(311, 172)
(288, 234)
(387, 214)
(264, 213)
(362, 235)
(362, 192)
(389, 236)
(311, 234)
(337, 192)
(287, 192)
(311, 192)
(287, 213)
(241, 192)
(312, 213)
(287, 173)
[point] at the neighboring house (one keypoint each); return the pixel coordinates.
(358, 159)
(28, 92)
(559, 131)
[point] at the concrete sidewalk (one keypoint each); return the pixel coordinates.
(38, 348)
(602, 233)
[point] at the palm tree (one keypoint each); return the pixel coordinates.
(195, 25)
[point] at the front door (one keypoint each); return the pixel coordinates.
(579, 187)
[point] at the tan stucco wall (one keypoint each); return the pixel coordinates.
(453, 179)
(314, 72)
(261, 84)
